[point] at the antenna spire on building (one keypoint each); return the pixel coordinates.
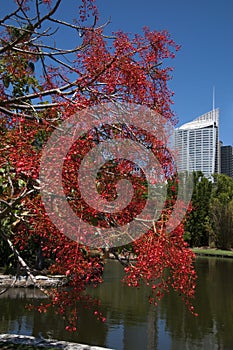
(213, 98)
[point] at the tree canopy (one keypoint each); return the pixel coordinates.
(42, 85)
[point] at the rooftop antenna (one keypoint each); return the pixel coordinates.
(213, 98)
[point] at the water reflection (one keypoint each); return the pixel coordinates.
(132, 323)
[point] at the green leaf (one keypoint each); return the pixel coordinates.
(21, 183)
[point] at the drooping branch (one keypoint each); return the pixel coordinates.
(22, 263)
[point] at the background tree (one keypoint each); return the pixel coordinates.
(42, 85)
(222, 211)
(197, 224)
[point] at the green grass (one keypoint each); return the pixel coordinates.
(214, 252)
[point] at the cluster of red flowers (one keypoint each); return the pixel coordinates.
(128, 70)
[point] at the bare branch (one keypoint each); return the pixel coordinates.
(34, 107)
(53, 53)
(53, 91)
(15, 201)
(32, 28)
(9, 16)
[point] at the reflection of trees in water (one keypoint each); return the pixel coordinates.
(129, 308)
(212, 329)
(19, 293)
(133, 319)
(15, 318)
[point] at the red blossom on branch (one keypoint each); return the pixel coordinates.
(96, 70)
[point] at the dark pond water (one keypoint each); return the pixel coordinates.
(133, 324)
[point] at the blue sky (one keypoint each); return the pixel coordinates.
(204, 29)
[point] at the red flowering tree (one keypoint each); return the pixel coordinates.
(42, 86)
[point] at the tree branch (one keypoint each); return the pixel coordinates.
(31, 29)
(22, 263)
(11, 205)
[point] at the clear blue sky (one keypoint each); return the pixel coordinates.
(204, 29)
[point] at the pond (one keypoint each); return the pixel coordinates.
(132, 323)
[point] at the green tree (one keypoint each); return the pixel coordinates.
(197, 225)
(222, 211)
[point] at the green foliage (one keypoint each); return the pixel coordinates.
(11, 185)
(211, 221)
(17, 70)
(222, 211)
(196, 228)
(19, 81)
(223, 188)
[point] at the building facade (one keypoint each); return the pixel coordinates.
(227, 160)
(197, 144)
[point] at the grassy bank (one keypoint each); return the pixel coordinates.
(213, 252)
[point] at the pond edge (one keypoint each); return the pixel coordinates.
(45, 343)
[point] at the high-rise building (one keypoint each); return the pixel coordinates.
(197, 144)
(227, 160)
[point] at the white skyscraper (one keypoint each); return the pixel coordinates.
(197, 144)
